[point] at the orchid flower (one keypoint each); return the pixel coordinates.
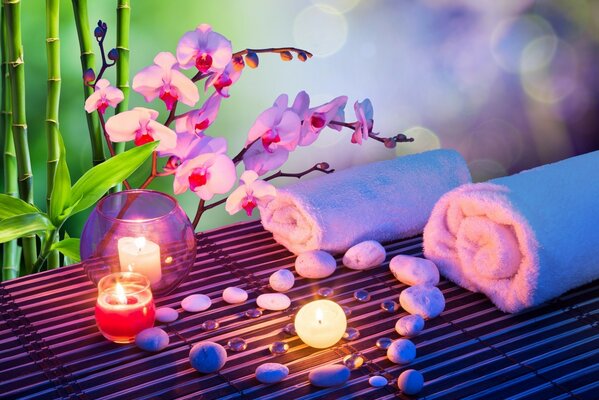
(164, 80)
(223, 80)
(257, 159)
(197, 121)
(364, 116)
(103, 96)
(252, 192)
(190, 146)
(140, 125)
(277, 127)
(317, 118)
(208, 51)
(205, 175)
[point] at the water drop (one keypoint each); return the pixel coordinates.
(351, 334)
(384, 343)
(362, 295)
(390, 306)
(278, 348)
(237, 344)
(253, 313)
(290, 329)
(353, 361)
(325, 292)
(210, 325)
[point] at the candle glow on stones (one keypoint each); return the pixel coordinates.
(137, 254)
(320, 324)
(124, 306)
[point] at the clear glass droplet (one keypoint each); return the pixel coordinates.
(351, 334)
(253, 313)
(290, 329)
(390, 306)
(325, 292)
(384, 343)
(362, 295)
(353, 361)
(278, 348)
(346, 310)
(210, 325)
(237, 344)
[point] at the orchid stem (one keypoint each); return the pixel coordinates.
(399, 138)
(272, 50)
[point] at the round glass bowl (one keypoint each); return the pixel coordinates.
(141, 231)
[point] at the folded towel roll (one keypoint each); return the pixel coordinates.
(381, 201)
(522, 239)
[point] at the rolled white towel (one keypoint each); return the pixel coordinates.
(522, 239)
(381, 201)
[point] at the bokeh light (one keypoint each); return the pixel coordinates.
(320, 28)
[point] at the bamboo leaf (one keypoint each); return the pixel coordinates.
(12, 206)
(22, 225)
(70, 248)
(61, 192)
(95, 182)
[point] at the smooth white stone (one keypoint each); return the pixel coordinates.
(271, 372)
(282, 280)
(414, 270)
(315, 264)
(378, 381)
(166, 315)
(410, 382)
(234, 295)
(401, 351)
(365, 255)
(426, 301)
(207, 357)
(196, 303)
(273, 301)
(329, 375)
(410, 325)
(152, 339)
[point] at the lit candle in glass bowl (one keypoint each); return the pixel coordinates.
(321, 323)
(137, 254)
(125, 306)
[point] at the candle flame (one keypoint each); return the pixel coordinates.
(319, 315)
(140, 242)
(120, 294)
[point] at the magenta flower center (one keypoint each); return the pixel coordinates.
(317, 121)
(248, 204)
(198, 178)
(269, 137)
(202, 125)
(143, 134)
(203, 62)
(169, 97)
(222, 82)
(102, 106)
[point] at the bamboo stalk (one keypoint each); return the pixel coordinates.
(87, 62)
(52, 103)
(16, 66)
(10, 250)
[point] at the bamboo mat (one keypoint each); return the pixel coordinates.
(50, 347)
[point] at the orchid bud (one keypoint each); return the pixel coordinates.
(99, 32)
(113, 55)
(172, 163)
(323, 165)
(401, 138)
(251, 59)
(238, 63)
(389, 143)
(89, 76)
(302, 56)
(286, 56)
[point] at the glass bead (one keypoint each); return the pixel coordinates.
(362, 295)
(253, 313)
(325, 292)
(389, 306)
(290, 329)
(384, 343)
(353, 361)
(351, 334)
(237, 344)
(278, 348)
(210, 325)
(346, 310)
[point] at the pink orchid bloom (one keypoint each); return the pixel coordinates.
(208, 51)
(277, 127)
(103, 96)
(317, 118)
(257, 159)
(140, 125)
(205, 175)
(190, 146)
(164, 80)
(364, 116)
(197, 121)
(252, 192)
(223, 80)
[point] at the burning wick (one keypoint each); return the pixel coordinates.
(140, 242)
(319, 316)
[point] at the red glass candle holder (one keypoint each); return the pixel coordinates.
(125, 306)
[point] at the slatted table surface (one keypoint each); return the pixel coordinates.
(51, 348)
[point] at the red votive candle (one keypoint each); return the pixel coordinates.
(125, 306)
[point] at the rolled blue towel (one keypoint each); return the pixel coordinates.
(521, 239)
(382, 201)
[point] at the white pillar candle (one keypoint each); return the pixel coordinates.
(140, 255)
(320, 324)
